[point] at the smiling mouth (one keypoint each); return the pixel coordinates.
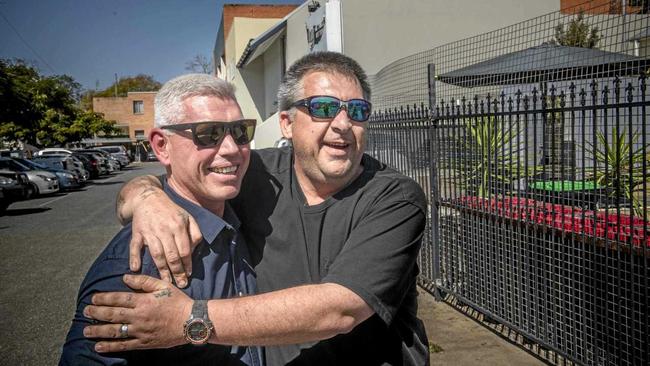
(224, 170)
(337, 145)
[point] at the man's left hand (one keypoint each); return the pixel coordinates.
(154, 316)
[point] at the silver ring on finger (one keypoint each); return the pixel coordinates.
(124, 331)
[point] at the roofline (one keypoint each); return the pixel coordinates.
(253, 43)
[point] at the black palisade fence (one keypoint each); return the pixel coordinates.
(534, 155)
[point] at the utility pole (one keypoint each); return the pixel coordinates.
(115, 85)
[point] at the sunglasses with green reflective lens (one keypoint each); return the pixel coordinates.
(211, 133)
(327, 107)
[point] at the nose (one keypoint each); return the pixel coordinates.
(228, 146)
(341, 122)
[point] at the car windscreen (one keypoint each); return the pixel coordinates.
(52, 163)
(13, 165)
(111, 149)
(31, 164)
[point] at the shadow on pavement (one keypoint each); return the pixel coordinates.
(108, 183)
(24, 211)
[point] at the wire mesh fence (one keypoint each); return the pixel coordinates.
(534, 147)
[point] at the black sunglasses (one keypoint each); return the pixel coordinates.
(211, 133)
(327, 107)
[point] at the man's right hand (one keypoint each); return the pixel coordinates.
(169, 231)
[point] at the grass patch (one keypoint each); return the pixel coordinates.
(434, 348)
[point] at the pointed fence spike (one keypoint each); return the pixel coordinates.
(629, 92)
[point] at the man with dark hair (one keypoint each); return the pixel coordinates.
(333, 234)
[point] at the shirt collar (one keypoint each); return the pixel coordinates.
(209, 223)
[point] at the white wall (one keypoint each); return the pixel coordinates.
(296, 35)
(377, 32)
(273, 72)
(267, 132)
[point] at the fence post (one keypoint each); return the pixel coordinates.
(433, 182)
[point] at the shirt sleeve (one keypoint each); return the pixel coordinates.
(103, 276)
(378, 260)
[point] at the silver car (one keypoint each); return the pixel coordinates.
(41, 181)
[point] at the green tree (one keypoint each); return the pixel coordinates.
(18, 115)
(578, 33)
(139, 82)
(43, 111)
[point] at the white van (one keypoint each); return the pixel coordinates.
(52, 151)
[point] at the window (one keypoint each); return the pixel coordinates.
(139, 135)
(138, 107)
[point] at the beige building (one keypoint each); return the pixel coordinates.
(133, 113)
(373, 32)
(241, 24)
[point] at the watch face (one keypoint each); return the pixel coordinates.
(198, 331)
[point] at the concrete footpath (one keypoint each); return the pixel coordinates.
(455, 339)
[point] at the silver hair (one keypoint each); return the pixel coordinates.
(168, 105)
(291, 88)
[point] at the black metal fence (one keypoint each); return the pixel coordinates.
(538, 183)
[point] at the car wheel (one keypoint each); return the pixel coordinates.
(35, 191)
(30, 191)
(3, 207)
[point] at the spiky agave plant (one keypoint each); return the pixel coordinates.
(494, 154)
(619, 163)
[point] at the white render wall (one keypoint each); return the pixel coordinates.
(378, 32)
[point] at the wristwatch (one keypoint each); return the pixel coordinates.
(198, 327)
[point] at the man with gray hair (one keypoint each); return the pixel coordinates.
(203, 142)
(333, 233)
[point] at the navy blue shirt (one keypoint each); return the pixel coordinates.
(220, 269)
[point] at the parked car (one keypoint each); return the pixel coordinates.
(71, 164)
(67, 179)
(151, 156)
(14, 186)
(42, 182)
(53, 151)
(60, 162)
(87, 164)
(111, 163)
(80, 168)
(95, 164)
(118, 152)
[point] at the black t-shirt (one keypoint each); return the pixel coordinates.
(366, 238)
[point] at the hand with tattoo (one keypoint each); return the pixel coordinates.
(155, 316)
(169, 231)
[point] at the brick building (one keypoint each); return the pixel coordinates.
(596, 7)
(133, 113)
(239, 24)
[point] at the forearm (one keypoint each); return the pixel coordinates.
(295, 315)
(132, 193)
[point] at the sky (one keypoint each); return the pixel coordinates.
(92, 40)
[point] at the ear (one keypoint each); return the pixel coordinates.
(160, 144)
(286, 124)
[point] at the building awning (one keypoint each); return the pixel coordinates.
(257, 46)
(543, 63)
